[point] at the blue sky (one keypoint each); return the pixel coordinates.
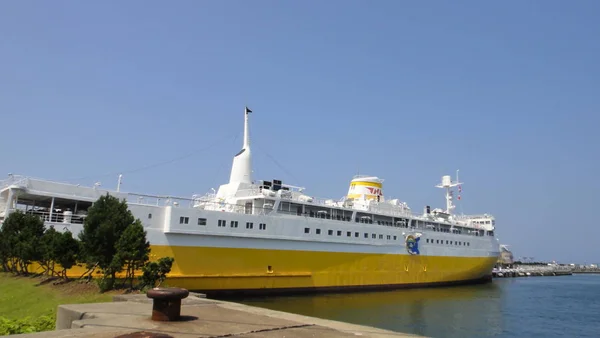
(409, 91)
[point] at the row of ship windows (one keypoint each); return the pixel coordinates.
(389, 237)
(234, 224)
(349, 234)
(441, 241)
(223, 223)
(262, 226)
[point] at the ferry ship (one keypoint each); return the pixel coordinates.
(271, 237)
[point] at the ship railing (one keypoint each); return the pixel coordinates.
(159, 200)
(471, 217)
(57, 216)
(21, 180)
(282, 194)
(327, 202)
(18, 180)
(221, 205)
(247, 192)
(399, 212)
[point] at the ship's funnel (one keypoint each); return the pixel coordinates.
(366, 187)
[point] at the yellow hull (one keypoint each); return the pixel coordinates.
(212, 270)
(229, 269)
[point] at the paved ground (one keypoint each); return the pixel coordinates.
(129, 316)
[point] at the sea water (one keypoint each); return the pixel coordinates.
(558, 306)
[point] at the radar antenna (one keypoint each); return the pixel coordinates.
(448, 185)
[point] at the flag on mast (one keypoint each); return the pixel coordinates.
(248, 110)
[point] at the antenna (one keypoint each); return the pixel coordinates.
(448, 184)
(119, 182)
(459, 191)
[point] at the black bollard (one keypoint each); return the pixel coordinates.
(167, 303)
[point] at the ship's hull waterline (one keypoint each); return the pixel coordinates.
(266, 271)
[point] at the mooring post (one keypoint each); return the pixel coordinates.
(166, 304)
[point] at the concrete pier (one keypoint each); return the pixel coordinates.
(131, 316)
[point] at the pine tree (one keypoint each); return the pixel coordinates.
(66, 252)
(133, 249)
(50, 242)
(106, 221)
(23, 239)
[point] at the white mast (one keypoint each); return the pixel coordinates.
(241, 170)
(448, 184)
(119, 182)
(246, 130)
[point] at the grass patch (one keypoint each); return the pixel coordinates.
(25, 297)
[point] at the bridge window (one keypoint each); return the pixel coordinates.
(318, 231)
(234, 224)
(330, 232)
(184, 220)
(356, 234)
(249, 225)
(222, 222)
(349, 233)
(262, 226)
(201, 221)
(373, 236)
(306, 230)
(339, 232)
(366, 235)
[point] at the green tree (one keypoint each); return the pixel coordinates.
(133, 249)
(24, 234)
(104, 225)
(5, 250)
(50, 242)
(66, 252)
(154, 272)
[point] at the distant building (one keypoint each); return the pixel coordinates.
(506, 256)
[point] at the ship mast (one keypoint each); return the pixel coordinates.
(448, 185)
(241, 169)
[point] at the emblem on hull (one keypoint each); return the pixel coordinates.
(412, 244)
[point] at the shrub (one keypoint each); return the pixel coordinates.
(154, 272)
(26, 325)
